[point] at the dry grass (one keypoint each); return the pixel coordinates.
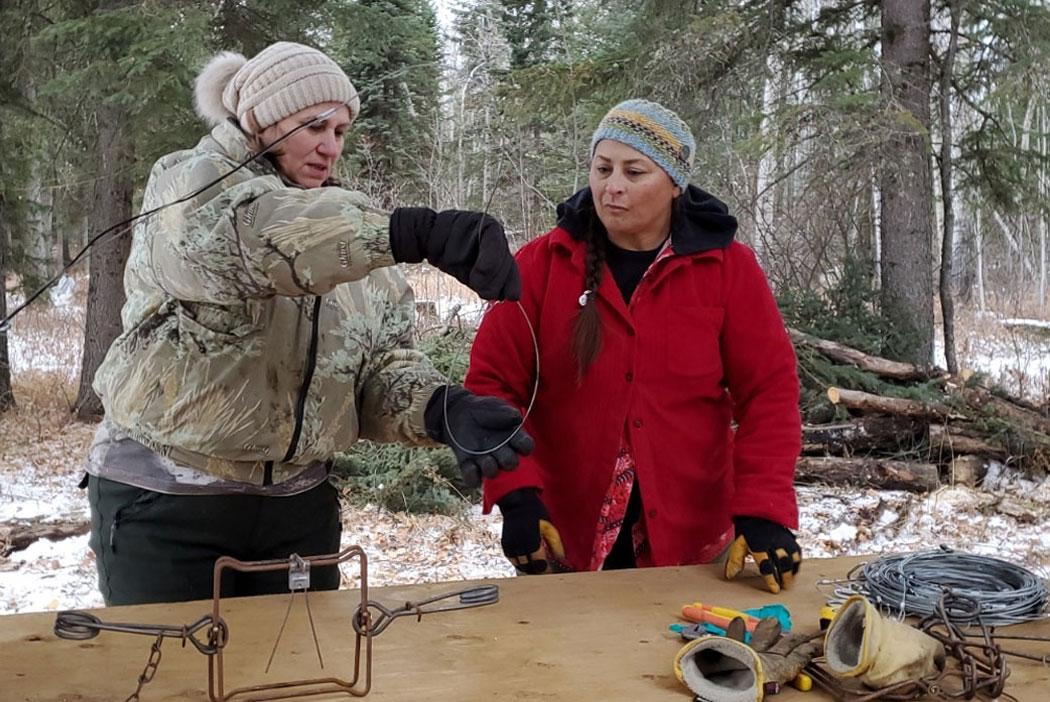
(45, 346)
(43, 400)
(40, 432)
(1023, 303)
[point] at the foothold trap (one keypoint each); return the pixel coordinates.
(210, 634)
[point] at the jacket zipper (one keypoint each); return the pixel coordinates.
(300, 408)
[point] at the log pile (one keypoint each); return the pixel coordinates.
(21, 533)
(927, 428)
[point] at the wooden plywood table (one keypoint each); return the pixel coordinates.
(578, 637)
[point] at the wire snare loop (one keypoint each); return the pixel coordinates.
(525, 416)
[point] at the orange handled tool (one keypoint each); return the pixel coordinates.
(717, 616)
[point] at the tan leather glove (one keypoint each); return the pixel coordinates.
(723, 669)
(877, 650)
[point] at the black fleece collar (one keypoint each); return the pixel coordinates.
(699, 222)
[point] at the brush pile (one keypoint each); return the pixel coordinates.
(873, 422)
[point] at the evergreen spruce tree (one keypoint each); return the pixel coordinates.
(122, 85)
(390, 51)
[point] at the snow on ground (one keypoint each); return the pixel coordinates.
(844, 521)
(1022, 368)
(401, 548)
(407, 549)
(1022, 322)
(1013, 352)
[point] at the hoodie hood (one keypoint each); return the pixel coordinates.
(699, 222)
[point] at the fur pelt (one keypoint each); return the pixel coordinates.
(210, 84)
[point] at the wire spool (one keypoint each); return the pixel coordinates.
(912, 585)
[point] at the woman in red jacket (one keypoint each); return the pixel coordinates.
(657, 332)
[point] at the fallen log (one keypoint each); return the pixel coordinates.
(20, 534)
(959, 407)
(967, 379)
(1036, 327)
(883, 367)
(860, 435)
(868, 472)
(868, 402)
(943, 438)
(984, 401)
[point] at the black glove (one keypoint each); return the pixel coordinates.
(773, 547)
(476, 423)
(529, 540)
(470, 246)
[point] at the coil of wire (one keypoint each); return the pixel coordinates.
(912, 584)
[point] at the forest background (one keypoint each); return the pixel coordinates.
(887, 159)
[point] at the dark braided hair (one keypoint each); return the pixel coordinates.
(587, 329)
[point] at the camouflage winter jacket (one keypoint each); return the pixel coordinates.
(265, 327)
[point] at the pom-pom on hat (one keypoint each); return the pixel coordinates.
(277, 82)
(653, 130)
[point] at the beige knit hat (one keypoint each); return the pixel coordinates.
(277, 82)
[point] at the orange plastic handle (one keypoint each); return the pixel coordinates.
(705, 616)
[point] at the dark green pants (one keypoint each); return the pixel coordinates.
(152, 547)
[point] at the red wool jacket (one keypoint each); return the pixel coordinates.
(701, 345)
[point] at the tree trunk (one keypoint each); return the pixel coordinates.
(1020, 417)
(876, 231)
(965, 260)
(1044, 192)
(868, 472)
(905, 181)
(7, 398)
(954, 443)
(764, 208)
(1024, 268)
(1024, 219)
(978, 240)
(947, 196)
(71, 221)
(37, 266)
(112, 203)
(864, 245)
(967, 470)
